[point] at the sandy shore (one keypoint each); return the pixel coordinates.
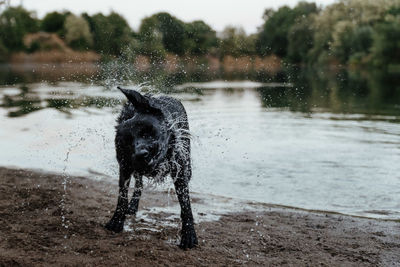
(41, 224)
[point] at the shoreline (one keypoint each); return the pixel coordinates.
(255, 205)
(43, 224)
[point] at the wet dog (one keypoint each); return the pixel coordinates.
(152, 140)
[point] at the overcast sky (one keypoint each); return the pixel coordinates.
(216, 13)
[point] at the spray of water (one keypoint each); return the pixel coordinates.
(121, 71)
(66, 179)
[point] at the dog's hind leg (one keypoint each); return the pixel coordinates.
(137, 193)
(116, 223)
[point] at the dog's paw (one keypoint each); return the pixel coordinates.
(115, 225)
(188, 238)
(132, 209)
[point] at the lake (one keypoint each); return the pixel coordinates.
(321, 140)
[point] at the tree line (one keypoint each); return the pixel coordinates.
(348, 32)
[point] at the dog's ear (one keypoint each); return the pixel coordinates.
(140, 102)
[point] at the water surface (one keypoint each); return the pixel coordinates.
(315, 144)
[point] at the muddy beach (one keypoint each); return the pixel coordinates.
(41, 223)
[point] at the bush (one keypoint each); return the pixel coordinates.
(54, 22)
(386, 45)
(15, 22)
(111, 34)
(77, 34)
(3, 52)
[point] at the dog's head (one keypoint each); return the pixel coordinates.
(144, 138)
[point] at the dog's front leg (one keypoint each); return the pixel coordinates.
(188, 234)
(116, 224)
(137, 192)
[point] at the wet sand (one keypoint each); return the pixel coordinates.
(33, 231)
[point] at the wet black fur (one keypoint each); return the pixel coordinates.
(172, 156)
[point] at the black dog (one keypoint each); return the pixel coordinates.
(152, 140)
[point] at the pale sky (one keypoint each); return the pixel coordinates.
(216, 13)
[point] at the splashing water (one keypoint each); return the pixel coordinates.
(64, 221)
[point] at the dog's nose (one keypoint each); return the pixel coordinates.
(142, 153)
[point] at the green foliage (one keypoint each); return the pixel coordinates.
(35, 46)
(111, 34)
(3, 52)
(15, 22)
(165, 28)
(200, 38)
(150, 38)
(273, 38)
(173, 33)
(77, 34)
(300, 40)
(54, 22)
(162, 33)
(362, 39)
(342, 43)
(235, 42)
(356, 32)
(386, 42)
(344, 30)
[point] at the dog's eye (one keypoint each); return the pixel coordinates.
(147, 133)
(145, 136)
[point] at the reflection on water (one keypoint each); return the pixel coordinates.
(29, 100)
(23, 102)
(54, 72)
(369, 93)
(328, 141)
(372, 94)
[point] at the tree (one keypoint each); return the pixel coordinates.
(342, 40)
(54, 22)
(273, 38)
(300, 40)
(338, 30)
(200, 38)
(3, 52)
(386, 45)
(15, 22)
(168, 28)
(173, 33)
(150, 38)
(361, 43)
(111, 34)
(78, 34)
(235, 42)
